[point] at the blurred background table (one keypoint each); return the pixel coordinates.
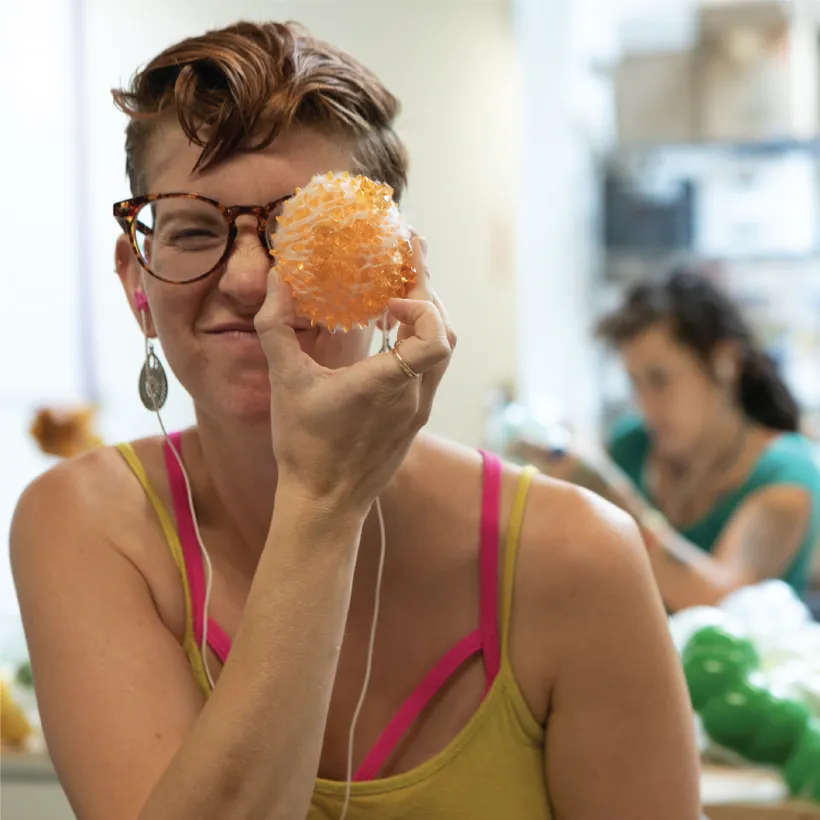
(730, 793)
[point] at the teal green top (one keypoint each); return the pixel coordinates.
(790, 459)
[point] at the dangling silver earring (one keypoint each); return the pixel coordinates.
(153, 383)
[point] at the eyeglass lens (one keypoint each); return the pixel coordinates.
(180, 239)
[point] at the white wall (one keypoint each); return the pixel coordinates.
(39, 327)
(565, 119)
(452, 65)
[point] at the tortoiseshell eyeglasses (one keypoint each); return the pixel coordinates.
(180, 238)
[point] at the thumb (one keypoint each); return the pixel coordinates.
(274, 325)
(278, 308)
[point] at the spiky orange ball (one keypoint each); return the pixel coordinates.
(344, 248)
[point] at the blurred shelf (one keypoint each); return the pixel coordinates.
(716, 19)
(26, 766)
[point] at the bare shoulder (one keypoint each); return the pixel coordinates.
(92, 490)
(83, 508)
(582, 576)
(572, 540)
(436, 453)
(577, 546)
(74, 493)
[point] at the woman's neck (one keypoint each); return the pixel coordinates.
(719, 445)
(237, 484)
(240, 476)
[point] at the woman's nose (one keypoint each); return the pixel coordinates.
(245, 277)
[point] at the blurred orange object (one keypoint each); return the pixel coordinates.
(345, 250)
(14, 726)
(65, 433)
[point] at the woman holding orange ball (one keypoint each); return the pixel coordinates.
(304, 606)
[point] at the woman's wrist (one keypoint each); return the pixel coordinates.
(318, 512)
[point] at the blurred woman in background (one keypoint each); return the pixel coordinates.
(725, 488)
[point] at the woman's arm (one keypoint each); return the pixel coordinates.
(760, 542)
(620, 737)
(119, 706)
(762, 538)
(126, 726)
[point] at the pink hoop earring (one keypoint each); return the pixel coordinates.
(140, 299)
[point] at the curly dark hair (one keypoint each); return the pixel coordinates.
(701, 316)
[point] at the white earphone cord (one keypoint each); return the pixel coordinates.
(209, 582)
(205, 557)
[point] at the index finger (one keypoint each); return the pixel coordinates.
(423, 288)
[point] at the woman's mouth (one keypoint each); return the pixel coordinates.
(247, 333)
(238, 334)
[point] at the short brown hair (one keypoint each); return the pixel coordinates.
(237, 88)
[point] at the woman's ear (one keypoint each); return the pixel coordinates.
(726, 364)
(129, 271)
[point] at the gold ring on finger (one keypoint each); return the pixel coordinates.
(406, 369)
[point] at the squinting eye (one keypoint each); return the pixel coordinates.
(191, 238)
(192, 233)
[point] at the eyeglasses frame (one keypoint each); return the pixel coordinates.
(125, 213)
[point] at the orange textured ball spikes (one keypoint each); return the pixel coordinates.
(344, 249)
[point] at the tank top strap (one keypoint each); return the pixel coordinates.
(217, 639)
(169, 531)
(484, 639)
(192, 558)
(488, 552)
(511, 552)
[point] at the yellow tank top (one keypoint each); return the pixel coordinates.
(492, 770)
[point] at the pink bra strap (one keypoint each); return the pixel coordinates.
(485, 638)
(413, 706)
(217, 639)
(185, 528)
(490, 516)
